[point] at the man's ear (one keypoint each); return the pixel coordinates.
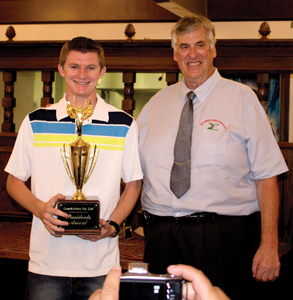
(61, 71)
(174, 55)
(214, 52)
(102, 72)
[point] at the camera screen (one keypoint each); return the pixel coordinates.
(146, 290)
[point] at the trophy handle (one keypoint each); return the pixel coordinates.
(94, 157)
(65, 155)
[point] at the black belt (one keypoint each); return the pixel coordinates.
(146, 218)
(189, 219)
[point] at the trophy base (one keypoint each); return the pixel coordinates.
(84, 216)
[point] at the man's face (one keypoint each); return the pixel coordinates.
(81, 72)
(194, 57)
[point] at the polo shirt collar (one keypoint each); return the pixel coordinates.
(100, 112)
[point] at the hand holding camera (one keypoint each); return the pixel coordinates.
(198, 286)
(149, 286)
(139, 283)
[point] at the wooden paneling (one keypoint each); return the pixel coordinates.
(284, 106)
(252, 55)
(67, 11)
(270, 56)
(233, 56)
(250, 10)
(184, 7)
(286, 196)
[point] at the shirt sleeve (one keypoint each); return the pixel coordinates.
(131, 162)
(20, 161)
(264, 153)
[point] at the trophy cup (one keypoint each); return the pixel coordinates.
(83, 213)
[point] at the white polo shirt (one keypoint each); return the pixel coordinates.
(232, 145)
(37, 154)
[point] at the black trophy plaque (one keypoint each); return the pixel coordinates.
(83, 216)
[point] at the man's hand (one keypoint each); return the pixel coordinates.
(199, 286)
(106, 231)
(48, 215)
(266, 264)
(45, 211)
(110, 290)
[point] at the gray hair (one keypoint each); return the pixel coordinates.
(191, 23)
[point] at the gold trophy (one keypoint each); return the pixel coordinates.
(84, 214)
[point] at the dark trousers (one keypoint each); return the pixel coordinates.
(222, 247)
(61, 288)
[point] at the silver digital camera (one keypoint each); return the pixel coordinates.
(139, 284)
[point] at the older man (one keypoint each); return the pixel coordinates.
(208, 181)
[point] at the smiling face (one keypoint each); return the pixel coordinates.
(81, 72)
(194, 57)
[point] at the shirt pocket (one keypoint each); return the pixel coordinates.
(208, 154)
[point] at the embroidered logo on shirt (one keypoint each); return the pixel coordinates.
(212, 124)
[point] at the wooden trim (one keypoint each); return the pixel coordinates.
(284, 106)
(251, 56)
(285, 145)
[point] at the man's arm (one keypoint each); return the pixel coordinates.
(43, 210)
(124, 207)
(266, 263)
(126, 202)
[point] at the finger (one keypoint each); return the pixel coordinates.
(52, 216)
(200, 283)
(255, 267)
(53, 228)
(52, 232)
(53, 222)
(55, 198)
(274, 274)
(96, 295)
(104, 223)
(187, 272)
(110, 290)
(264, 276)
(187, 291)
(60, 196)
(259, 273)
(57, 212)
(89, 237)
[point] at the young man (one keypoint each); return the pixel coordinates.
(235, 159)
(74, 265)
